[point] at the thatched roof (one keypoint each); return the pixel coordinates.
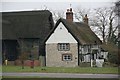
(80, 31)
(26, 24)
(110, 47)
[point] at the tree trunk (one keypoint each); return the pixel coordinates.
(110, 31)
(103, 33)
(22, 64)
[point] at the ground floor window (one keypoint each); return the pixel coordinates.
(85, 57)
(66, 57)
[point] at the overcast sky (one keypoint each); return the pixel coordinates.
(23, 5)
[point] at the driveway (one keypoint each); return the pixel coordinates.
(63, 75)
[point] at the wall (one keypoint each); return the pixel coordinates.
(61, 35)
(86, 50)
(26, 63)
(54, 57)
(9, 50)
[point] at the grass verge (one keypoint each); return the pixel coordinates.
(56, 79)
(94, 70)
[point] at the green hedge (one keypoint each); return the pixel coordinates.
(113, 58)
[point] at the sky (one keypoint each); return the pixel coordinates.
(63, 5)
(23, 5)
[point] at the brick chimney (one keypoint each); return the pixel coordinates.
(85, 19)
(69, 15)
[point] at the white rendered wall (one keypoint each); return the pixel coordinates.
(86, 58)
(61, 35)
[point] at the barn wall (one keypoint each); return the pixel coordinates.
(9, 49)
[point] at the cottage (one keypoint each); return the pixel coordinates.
(31, 35)
(71, 43)
(24, 33)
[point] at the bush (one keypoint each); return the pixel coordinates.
(84, 64)
(113, 51)
(113, 58)
(108, 64)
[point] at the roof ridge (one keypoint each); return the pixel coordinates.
(81, 32)
(26, 11)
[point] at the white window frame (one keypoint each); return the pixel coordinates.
(66, 57)
(63, 46)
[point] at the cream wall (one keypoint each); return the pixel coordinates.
(61, 35)
(54, 57)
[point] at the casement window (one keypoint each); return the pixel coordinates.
(63, 46)
(67, 57)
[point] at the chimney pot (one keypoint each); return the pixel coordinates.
(67, 10)
(86, 15)
(85, 19)
(70, 9)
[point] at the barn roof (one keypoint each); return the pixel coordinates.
(26, 24)
(80, 31)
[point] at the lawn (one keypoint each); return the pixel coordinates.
(0, 68)
(0, 71)
(54, 79)
(94, 70)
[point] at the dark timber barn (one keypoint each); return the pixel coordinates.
(24, 33)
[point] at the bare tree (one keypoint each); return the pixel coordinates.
(117, 11)
(117, 8)
(23, 54)
(112, 27)
(81, 12)
(23, 57)
(57, 14)
(105, 19)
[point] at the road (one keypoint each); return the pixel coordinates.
(63, 75)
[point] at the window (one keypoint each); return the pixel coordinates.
(66, 57)
(63, 46)
(85, 49)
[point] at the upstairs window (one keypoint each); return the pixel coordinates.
(63, 46)
(67, 57)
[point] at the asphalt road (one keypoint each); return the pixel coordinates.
(63, 75)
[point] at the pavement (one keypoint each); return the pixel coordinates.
(63, 75)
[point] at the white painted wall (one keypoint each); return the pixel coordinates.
(84, 50)
(86, 58)
(105, 55)
(61, 35)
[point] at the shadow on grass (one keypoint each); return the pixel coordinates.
(57, 79)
